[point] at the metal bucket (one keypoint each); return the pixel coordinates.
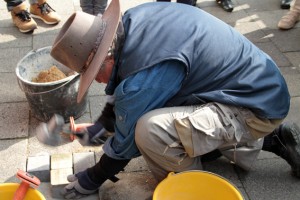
(47, 99)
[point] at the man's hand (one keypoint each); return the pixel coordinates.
(74, 190)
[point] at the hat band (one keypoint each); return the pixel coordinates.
(96, 46)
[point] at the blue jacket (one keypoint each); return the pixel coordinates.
(221, 64)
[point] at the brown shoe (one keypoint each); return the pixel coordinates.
(289, 20)
(21, 18)
(43, 11)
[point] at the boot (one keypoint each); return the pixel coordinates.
(285, 142)
(227, 5)
(43, 11)
(21, 18)
(285, 4)
(289, 20)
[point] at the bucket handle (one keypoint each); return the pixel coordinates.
(37, 93)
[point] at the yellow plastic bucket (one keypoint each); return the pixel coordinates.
(196, 185)
(7, 191)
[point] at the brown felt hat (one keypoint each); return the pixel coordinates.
(83, 43)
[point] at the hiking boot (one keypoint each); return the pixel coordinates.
(289, 20)
(21, 18)
(285, 142)
(43, 11)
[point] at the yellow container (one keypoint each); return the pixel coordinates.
(196, 185)
(7, 191)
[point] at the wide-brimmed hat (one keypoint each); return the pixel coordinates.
(83, 43)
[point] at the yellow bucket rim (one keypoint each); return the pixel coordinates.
(190, 185)
(7, 191)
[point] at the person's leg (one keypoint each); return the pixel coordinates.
(175, 139)
(20, 16)
(10, 4)
(41, 9)
(87, 6)
(289, 20)
(157, 140)
(99, 6)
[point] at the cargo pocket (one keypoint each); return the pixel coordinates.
(201, 131)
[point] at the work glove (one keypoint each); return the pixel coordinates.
(95, 134)
(80, 186)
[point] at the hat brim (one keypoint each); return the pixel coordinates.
(111, 16)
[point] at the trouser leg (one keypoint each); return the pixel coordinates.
(157, 140)
(99, 6)
(10, 4)
(174, 139)
(295, 6)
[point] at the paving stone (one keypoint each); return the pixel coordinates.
(13, 123)
(13, 157)
(39, 166)
(61, 161)
(10, 89)
(270, 179)
(83, 160)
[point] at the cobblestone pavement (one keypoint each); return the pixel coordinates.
(270, 177)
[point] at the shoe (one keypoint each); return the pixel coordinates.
(43, 11)
(21, 18)
(286, 144)
(227, 5)
(285, 4)
(289, 20)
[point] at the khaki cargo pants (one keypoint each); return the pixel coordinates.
(174, 138)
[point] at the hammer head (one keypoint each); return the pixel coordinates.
(49, 133)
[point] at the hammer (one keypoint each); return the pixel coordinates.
(27, 181)
(51, 133)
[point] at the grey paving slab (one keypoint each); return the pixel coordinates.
(294, 58)
(267, 19)
(270, 179)
(273, 51)
(254, 5)
(10, 89)
(286, 41)
(293, 115)
(292, 77)
(13, 157)
(12, 125)
(6, 54)
(97, 89)
(251, 30)
(257, 20)
(11, 37)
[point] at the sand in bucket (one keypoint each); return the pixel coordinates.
(49, 98)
